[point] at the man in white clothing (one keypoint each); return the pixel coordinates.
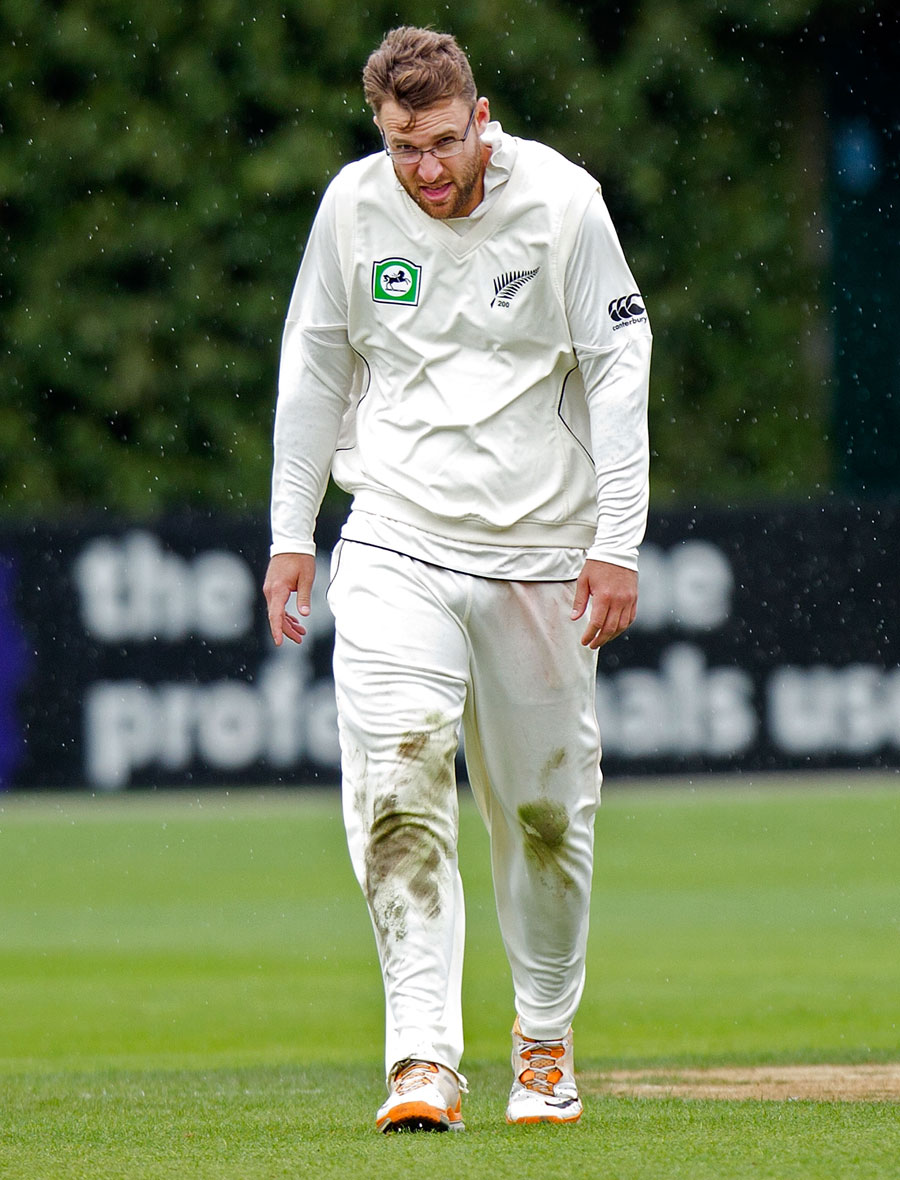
(466, 351)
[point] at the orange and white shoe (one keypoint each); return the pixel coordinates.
(424, 1097)
(543, 1089)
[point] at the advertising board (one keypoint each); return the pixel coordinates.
(137, 655)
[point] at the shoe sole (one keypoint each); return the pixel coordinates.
(530, 1119)
(418, 1116)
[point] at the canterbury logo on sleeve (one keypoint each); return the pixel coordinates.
(627, 309)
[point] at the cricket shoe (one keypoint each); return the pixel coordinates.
(424, 1097)
(543, 1089)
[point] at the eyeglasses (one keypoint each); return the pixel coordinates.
(442, 150)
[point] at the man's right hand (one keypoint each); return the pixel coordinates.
(287, 573)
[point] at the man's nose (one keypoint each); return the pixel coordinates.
(429, 168)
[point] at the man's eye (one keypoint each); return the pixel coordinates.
(443, 142)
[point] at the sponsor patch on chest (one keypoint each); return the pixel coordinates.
(396, 280)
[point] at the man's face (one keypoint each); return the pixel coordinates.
(452, 187)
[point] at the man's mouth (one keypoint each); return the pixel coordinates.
(437, 193)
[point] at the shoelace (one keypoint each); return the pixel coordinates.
(543, 1074)
(414, 1074)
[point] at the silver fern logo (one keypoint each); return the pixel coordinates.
(507, 285)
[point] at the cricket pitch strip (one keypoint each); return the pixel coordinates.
(816, 1083)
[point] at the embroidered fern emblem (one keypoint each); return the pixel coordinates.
(509, 284)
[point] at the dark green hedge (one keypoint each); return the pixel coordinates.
(160, 165)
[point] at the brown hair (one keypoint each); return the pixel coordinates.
(417, 68)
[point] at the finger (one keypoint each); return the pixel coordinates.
(601, 638)
(276, 626)
(293, 629)
(303, 587)
(615, 624)
(580, 601)
(277, 599)
(595, 626)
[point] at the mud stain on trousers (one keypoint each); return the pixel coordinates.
(544, 825)
(407, 857)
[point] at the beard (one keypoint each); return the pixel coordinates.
(459, 202)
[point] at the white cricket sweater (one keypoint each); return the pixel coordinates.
(482, 395)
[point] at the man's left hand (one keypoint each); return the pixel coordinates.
(612, 591)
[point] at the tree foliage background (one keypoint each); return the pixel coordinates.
(160, 166)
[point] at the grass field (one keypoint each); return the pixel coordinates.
(188, 988)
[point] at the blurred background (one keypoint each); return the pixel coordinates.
(160, 166)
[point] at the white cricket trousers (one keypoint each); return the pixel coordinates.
(420, 653)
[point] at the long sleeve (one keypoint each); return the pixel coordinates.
(612, 340)
(314, 384)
